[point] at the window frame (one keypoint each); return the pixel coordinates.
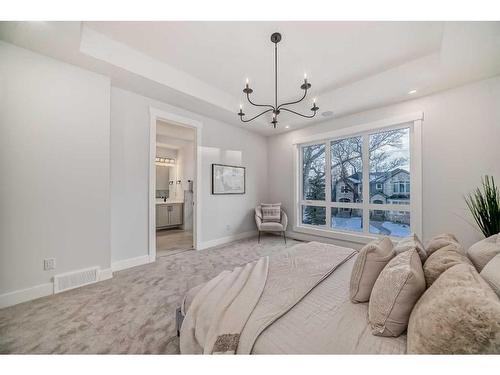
(414, 123)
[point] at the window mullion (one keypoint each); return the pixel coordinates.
(366, 182)
(328, 182)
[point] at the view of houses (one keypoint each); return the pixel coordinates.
(391, 187)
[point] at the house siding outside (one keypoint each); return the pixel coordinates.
(382, 191)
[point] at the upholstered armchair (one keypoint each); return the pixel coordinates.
(271, 226)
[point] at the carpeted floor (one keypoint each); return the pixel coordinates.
(134, 312)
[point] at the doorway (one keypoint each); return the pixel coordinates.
(174, 175)
(174, 188)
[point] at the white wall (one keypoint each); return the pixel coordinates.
(54, 162)
(221, 216)
(185, 166)
(461, 143)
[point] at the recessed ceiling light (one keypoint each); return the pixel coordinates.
(327, 114)
(412, 92)
(287, 127)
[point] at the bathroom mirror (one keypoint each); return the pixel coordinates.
(164, 175)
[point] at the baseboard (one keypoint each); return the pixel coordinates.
(129, 263)
(105, 274)
(225, 240)
(39, 291)
(24, 295)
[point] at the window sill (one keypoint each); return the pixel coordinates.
(361, 238)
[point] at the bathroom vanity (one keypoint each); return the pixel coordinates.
(169, 214)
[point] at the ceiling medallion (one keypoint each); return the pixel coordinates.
(276, 109)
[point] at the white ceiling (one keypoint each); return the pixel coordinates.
(223, 54)
(202, 66)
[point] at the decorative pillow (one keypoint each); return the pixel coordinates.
(271, 212)
(458, 314)
(491, 273)
(411, 242)
(371, 260)
(439, 241)
(483, 251)
(397, 289)
(442, 259)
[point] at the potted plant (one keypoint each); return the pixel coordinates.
(484, 204)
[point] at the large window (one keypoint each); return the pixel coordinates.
(358, 184)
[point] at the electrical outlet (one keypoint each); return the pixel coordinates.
(228, 227)
(49, 264)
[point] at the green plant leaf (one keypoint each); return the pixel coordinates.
(484, 205)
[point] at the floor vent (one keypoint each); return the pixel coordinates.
(75, 279)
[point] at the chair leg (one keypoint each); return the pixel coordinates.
(259, 237)
(284, 236)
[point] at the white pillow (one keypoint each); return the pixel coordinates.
(271, 212)
(397, 289)
(411, 242)
(491, 273)
(483, 251)
(371, 260)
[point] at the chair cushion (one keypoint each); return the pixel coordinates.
(271, 212)
(442, 259)
(458, 314)
(397, 289)
(491, 273)
(439, 241)
(483, 251)
(258, 212)
(411, 242)
(371, 260)
(271, 226)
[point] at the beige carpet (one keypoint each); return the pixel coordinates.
(134, 312)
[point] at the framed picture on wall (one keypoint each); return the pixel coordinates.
(228, 179)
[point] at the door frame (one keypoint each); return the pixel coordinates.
(156, 114)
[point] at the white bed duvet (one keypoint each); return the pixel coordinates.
(322, 321)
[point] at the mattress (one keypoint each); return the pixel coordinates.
(324, 322)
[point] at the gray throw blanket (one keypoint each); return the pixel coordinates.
(230, 312)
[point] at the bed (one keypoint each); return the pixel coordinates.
(321, 321)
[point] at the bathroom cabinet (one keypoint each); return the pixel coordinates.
(168, 215)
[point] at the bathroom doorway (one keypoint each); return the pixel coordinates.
(174, 188)
(173, 203)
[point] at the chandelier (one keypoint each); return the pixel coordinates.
(276, 109)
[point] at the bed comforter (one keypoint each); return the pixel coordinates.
(229, 313)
